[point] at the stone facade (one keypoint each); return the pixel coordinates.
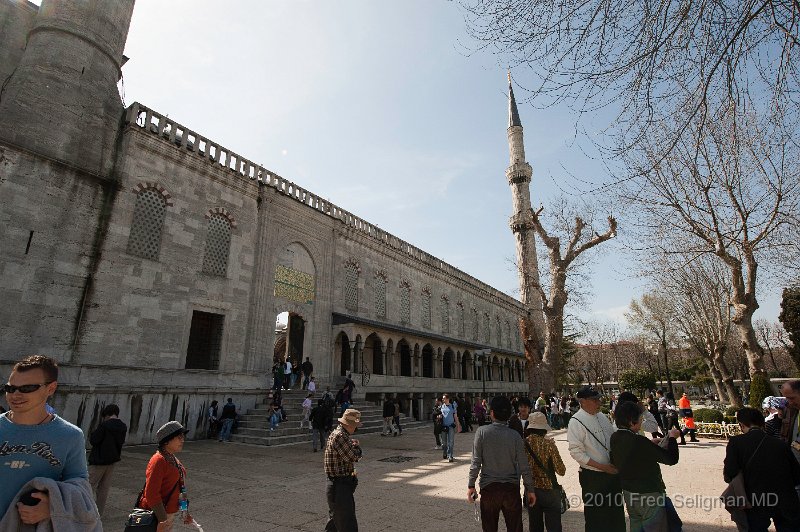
(154, 270)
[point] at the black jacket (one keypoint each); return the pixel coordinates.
(515, 423)
(637, 458)
(388, 408)
(107, 440)
(228, 411)
(773, 470)
(321, 417)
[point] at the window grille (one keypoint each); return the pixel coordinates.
(218, 245)
(148, 221)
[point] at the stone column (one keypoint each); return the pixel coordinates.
(384, 360)
(421, 413)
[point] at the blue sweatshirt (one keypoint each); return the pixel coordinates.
(54, 450)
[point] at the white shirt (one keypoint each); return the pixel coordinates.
(582, 445)
(287, 368)
(312, 386)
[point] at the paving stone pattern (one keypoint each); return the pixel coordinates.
(251, 488)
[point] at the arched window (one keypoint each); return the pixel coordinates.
(405, 302)
(380, 294)
(149, 210)
(351, 271)
(426, 307)
(445, 314)
(218, 245)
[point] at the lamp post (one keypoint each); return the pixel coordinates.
(481, 361)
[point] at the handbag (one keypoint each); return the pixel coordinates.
(141, 520)
(735, 495)
(552, 475)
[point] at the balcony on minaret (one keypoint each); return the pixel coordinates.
(521, 222)
(519, 172)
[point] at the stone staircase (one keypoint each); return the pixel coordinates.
(254, 425)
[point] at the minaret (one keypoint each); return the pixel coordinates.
(61, 100)
(519, 177)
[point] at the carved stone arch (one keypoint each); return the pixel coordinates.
(145, 185)
(221, 211)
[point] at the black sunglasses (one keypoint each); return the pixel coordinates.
(25, 388)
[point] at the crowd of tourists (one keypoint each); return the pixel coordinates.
(48, 479)
(619, 456)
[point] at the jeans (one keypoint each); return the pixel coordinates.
(100, 479)
(501, 497)
(602, 501)
(437, 431)
(274, 420)
(287, 380)
(448, 439)
(388, 426)
(646, 511)
(341, 505)
(546, 513)
(320, 436)
(306, 380)
(396, 420)
(225, 432)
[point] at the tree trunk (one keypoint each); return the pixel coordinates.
(551, 359)
(717, 377)
(533, 354)
(663, 348)
(743, 321)
(734, 398)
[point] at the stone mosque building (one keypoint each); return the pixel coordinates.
(152, 262)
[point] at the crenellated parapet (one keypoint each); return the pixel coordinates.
(183, 138)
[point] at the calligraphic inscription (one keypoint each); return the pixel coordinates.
(294, 285)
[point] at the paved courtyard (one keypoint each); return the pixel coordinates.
(247, 488)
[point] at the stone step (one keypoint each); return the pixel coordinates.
(292, 424)
(275, 438)
(296, 417)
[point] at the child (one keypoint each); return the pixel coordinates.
(306, 411)
(312, 386)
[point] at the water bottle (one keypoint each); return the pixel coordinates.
(183, 503)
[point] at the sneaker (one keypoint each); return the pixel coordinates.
(450, 459)
(438, 447)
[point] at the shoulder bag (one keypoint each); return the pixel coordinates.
(551, 475)
(735, 496)
(141, 520)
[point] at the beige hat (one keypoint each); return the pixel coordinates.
(351, 416)
(168, 431)
(537, 420)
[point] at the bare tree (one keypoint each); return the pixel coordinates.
(732, 194)
(644, 59)
(653, 316)
(699, 291)
(580, 237)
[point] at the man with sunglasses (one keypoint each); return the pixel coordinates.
(35, 443)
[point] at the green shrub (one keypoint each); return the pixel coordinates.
(759, 389)
(708, 415)
(731, 411)
(731, 419)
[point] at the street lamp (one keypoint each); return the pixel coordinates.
(481, 355)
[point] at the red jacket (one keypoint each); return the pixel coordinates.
(160, 479)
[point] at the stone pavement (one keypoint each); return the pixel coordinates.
(247, 488)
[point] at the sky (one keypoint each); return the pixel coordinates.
(383, 108)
